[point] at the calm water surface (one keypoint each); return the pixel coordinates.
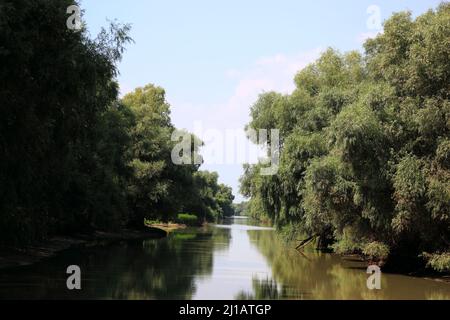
(234, 260)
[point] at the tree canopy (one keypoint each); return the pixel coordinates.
(365, 143)
(75, 157)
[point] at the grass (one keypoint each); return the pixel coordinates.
(187, 219)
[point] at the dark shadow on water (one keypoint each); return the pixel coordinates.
(232, 260)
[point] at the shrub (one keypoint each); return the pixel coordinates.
(188, 219)
(439, 262)
(376, 251)
(348, 243)
(291, 232)
(149, 222)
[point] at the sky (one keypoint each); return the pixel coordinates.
(214, 58)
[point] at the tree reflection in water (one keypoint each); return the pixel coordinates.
(150, 269)
(316, 275)
(225, 261)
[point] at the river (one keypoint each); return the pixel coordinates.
(238, 259)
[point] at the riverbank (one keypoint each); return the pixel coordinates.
(168, 227)
(419, 272)
(198, 263)
(413, 266)
(15, 257)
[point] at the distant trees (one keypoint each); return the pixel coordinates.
(154, 180)
(73, 156)
(210, 199)
(365, 143)
(159, 189)
(240, 209)
(57, 88)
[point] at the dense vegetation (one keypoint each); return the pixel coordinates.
(365, 146)
(75, 157)
(240, 209)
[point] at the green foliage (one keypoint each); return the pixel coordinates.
(348, 243)
(376, 251)
(291, 232)
(365, 147)
(410, 187)
(57, 91)
(75, 157)
(150, 185)
(439, 262)
(149, 222)
(240, 209)
(212, 200)
(158, 188)
(188, 219)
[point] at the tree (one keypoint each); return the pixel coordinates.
(56, 87)
(365, 144)
(75, 158)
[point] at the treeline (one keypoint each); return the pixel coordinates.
(365, 150)
(240, 209)
(75, 157)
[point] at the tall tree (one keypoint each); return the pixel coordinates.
(365, 146)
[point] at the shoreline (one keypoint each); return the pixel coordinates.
(13, 257)
(167, 227)
(420, 274)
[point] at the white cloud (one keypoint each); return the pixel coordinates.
(272, 73)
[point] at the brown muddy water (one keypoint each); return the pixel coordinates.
(238, 259)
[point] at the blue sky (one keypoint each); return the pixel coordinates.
(213, 58)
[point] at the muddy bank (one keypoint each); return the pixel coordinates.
(13, 256)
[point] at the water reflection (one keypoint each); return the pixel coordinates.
(151, 269)
(235, 268)
(316, 275)
(262, 289)
(233, 260)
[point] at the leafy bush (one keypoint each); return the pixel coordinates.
(365, 153)
(348, 243)
(439, 262)
(149, 222)
(376, 251)
(291, 232)
(187, 219)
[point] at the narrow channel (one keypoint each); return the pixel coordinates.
(237, 259)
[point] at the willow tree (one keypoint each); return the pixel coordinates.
(365, 144)
(57, 85)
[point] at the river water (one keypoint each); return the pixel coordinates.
(235, 260)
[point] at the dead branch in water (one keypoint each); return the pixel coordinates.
(305, 242)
